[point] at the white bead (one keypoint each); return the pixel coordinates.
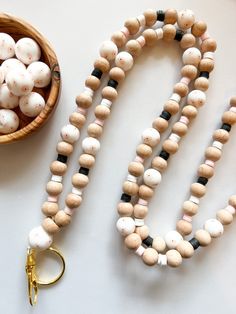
(56, 178)
(209, 55)
(124, 60)
(194, 199)
(151, 137)
(152, 177)
(174, 137)
(108, 50)
(9, 121)
(131, 178)
(7, 46)
(192, 56)
(162, 260)
(90, 145)
(7, 99)
(159, 32)
(40, 72)
(139, 222)
(142, 20)
(77, 191)
(20, 82)
(233, 109)
(196, 98)
(186, 19)
(106, 102)
(218, 145)
(31, 105)
(12, 64)
(214, 227)
(88, 91)
(140, 250)
(176, 97)
(172, 239)
(27, 50)
(125, 225)
(230, 209)
(40, 239)
(70, 133)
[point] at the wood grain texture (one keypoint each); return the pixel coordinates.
(18, 28)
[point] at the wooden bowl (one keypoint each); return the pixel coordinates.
(18, 28)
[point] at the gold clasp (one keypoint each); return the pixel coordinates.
(33, 281)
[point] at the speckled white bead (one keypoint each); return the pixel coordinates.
(70, 133)
(186, 19)
(12, 64)
(90, 145)
(40, 73)
(108, 50)
(214, 227)
(192, 56)
(7, 46)
(151, 137)
(27, 50)
(9, 121)
(31, 105)
(40, 239)
(196, 98)
(172, 239)
(124, 60)
(7, 99)
(125, 225)
(152, 177)
(19, 82)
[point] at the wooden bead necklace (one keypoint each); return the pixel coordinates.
(145, 30)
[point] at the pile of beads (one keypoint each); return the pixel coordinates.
(20, 79)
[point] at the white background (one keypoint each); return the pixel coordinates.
(102, 276)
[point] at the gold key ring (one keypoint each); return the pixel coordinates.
(33, 280)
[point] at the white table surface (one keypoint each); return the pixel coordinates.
(102, 276)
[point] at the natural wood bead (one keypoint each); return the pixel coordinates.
(117, 74)
(187, 41)
(198, 189)
(159, 163)
(180, 128)
(171, 106)
(150, 37)
(102, 112)
(145, 192)
(206, 65)
(170, 16)
(199, 28)
(102, 64)
(203, 237)
(136, 168)
(169, 32)
(83, 100)
(140, 211)
(58, 168)
(189, 71)
(54, 188)
(190, 112)
(201, 83)
(125, 209)
(50, 208)
(62, 219)
(94, 130)
(77, 119)
(185, 249)
(159, 244)
(205, 171)
(233, 101)
(229, 117)
(208, 45)
(170, 146)
(133, 25)
(150, 256)
(73, 200)
(189, 208)
(50, 226)
(184, 227)
(213, 153)
(221, 136)
(174, 258)
(232, 201)
(80, 180)
(109, 93)
(142, 231)
(119, 39)
(86, 161)
(181, 89)
(133, 47)
(133, 241)
(130, 188)
(144, 151)
(224, 216)
(64, 148)
(150, 17)
(92, 82)
(160, 124)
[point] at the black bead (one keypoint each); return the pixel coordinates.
(195, 243)
(204, 74)
(160, 15)
(97, 73)
(202, 180)
(163, 154)
(165, 115)
(226, 127)
(125, 197)
(62, 158)
(84, 170)
(112, 83)
(179, 34)
(148, 241)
